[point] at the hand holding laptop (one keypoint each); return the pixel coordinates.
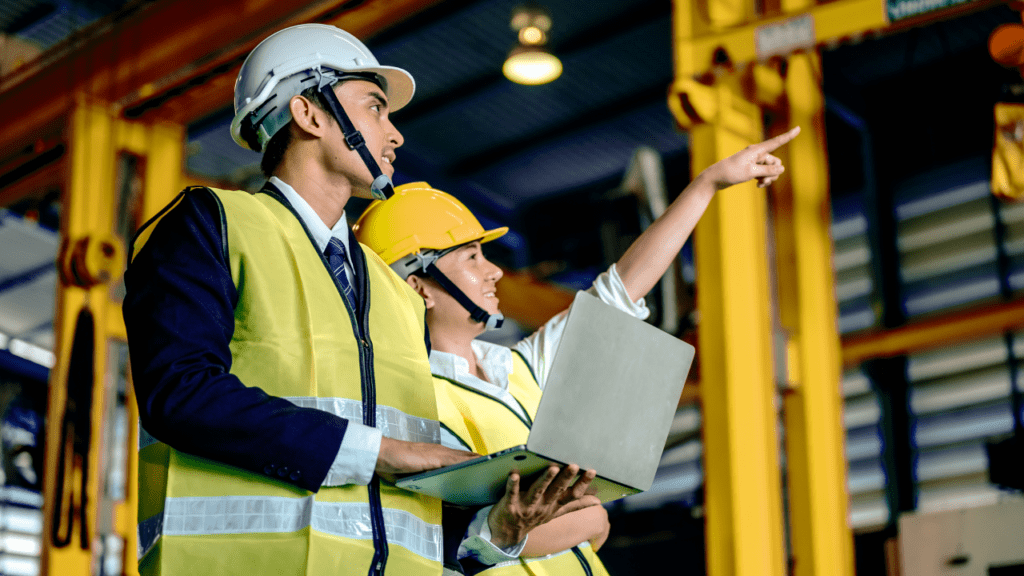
(550, 496)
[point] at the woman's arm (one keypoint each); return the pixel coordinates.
(650, 255)
(572, 529)
(647, 259)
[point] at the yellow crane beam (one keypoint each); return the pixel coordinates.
(713, 34)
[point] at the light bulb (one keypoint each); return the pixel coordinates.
(532, 66)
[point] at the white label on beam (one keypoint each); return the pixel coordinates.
(900, 9)
(781, 38)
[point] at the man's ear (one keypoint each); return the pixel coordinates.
(421, 288)
(307, 116)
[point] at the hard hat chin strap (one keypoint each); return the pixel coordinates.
(478, 314)
(425, 261)
(382, 187)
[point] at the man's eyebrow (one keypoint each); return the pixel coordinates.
(379, 97)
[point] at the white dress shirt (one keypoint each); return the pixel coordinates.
(360, 447)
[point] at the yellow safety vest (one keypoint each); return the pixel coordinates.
(294, 338)
(486, 425)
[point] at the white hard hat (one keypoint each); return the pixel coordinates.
(291, 60)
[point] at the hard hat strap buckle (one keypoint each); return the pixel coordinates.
(354, 140)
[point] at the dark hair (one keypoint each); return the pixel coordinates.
(274, 151)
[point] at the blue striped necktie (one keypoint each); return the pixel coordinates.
(336, 256)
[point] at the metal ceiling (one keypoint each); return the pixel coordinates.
(539, 159)
(497, 145)
(511, 151)
(45, 23)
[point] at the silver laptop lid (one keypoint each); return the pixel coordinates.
(610, 396)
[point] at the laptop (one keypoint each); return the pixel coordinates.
(610, 396)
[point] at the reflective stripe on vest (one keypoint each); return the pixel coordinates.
(195, 516)
(392, 422)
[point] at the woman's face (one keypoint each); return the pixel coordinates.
(476, 276)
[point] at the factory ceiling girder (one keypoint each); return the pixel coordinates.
(135, 54)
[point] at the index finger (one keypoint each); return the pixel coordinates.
(771, 144)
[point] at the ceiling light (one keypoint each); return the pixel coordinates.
(532, 66)
(532, 36)
(530, 63)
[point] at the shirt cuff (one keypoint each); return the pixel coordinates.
(609, 288)
(357, 456)
(478, 545)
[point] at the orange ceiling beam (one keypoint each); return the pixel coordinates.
(931, 333)
(530, 301)
(142, 52)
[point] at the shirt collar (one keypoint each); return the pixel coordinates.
(494, 360)
(320, 232)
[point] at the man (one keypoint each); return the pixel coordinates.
(280, 370)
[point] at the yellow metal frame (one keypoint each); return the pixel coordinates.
(95, 139)
(741, 456)
(822, 542)
(716, 54)
(87, 212)
(698, 37)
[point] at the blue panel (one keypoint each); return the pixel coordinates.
(942, 188)
(856, 314)
(864, 444)
(973, 285)
(973, 423)
(20, 367)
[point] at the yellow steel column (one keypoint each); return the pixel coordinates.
(162, 180)
(87, 214)
(816, 464)
(742, 491)
(164, 167)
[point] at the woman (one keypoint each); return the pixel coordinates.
(488, 394)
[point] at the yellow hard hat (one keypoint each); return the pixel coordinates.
(418, 218)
